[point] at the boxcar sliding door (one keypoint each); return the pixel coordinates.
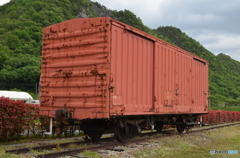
(131, 73)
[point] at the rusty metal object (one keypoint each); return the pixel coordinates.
(102, 68)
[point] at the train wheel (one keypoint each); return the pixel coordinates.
(134, 130)
(159, 127)
(94, 135)
(122, 133)
(181, 128)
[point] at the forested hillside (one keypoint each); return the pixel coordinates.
(21, 22)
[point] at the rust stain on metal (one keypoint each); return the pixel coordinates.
(96, 73)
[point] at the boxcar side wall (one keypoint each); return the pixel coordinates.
(151, 76)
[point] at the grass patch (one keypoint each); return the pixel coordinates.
(4, 155)
(195, 145)
(90, 154)
(36, 138)
(9, 156)
(182, 146)
(35, 152)
(226, 139)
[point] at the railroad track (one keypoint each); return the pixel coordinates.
(106, 143)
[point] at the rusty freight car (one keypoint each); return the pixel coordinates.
(110, 75)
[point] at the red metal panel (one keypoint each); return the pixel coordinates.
(181, 84)
(200, 85)
(132, 72)
(165, 75)
(75, 68)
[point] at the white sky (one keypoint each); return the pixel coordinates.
(214, 23)
(3, 2)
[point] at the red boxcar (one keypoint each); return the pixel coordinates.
(100, 68)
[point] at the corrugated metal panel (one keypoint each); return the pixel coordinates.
(200, 85)
(75, 67)
(180, 82)
(132, 71)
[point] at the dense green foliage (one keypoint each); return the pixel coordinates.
(21, 22)
(226, 108)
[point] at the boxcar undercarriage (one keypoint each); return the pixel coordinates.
(127, 127)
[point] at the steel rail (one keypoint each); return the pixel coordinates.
(69, 152)
(95, 148)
